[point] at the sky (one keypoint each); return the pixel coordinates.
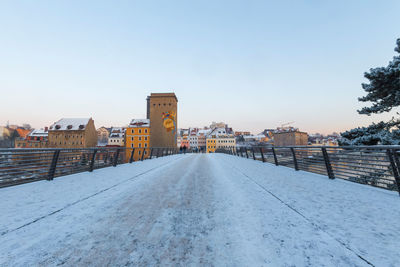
(251, 64)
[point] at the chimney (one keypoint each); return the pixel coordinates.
(46, 129)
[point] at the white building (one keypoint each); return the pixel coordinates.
(117, 137)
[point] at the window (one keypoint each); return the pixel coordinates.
(132, 138)
(133, 131)
(140, 130)
(139, 152)
(145, 130)
(140, 145)
(145, 138)
(145, 144)
(132, 145)
(140, 138)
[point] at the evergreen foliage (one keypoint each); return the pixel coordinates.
(383, 91)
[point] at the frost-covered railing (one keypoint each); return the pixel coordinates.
(22, 165)
(373, 165)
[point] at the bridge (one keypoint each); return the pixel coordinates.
(198, 209)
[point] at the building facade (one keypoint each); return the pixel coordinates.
(138, 137)
(162, 111)
(102, 136)
(38, 138)
(117, 137)
(73, 133)
(220, 139)
(291, 138)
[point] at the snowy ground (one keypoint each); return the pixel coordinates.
(198, 210)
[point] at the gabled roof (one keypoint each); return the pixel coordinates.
(22, 132)
(70, 124)
(39, 132)
(135, 123)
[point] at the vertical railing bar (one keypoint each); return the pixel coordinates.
(328, 165)
(296, 166)
(394, 168)
(53, 165)
(275, 157)
(93, 160)
(262, 154)
(116, 158)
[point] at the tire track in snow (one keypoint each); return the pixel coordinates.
(302, 215)
(88, 197)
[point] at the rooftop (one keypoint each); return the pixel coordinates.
(70, 124)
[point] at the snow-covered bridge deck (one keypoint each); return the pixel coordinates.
(198, 210)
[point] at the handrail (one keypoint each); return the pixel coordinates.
(23, 165)
(377, 166)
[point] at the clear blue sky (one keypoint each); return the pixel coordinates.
(252, 64)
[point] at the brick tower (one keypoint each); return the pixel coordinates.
(162, 110)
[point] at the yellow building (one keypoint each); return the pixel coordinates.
(211, 144)
(138, 138)
(219, 138)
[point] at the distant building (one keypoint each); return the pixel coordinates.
(20, 137)
(237, 133)
(38, 138)
(290, 138)
(218, 125)
(117, 137)
(185, 139)
(218, 138)
(73, 133)
(193, 138)
(163, 116)
(102, 136)
(138, 136)
(202, 139)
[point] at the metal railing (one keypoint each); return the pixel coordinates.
(20, 165)
(377, 166)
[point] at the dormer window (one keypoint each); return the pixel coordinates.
(69, 127)
(81, 126)
(58, 127)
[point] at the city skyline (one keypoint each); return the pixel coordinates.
(252, 65)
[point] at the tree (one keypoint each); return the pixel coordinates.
(383, 91)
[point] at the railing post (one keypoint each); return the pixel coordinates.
(131, 159)
(106, 158)
(328, 164)
(275, 157)
(296, 166)
(394, 168)
(116, 158)
(93, 160)
(254, 155)
(144, 150)
(151, 153)
(158, 152)
(241, 152)
(52, 169)
(262, 154)
(396, 160)
(247, 155)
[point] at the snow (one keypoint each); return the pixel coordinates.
(198, 209)
(39, 133)
(70, 124)
(140, 123)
